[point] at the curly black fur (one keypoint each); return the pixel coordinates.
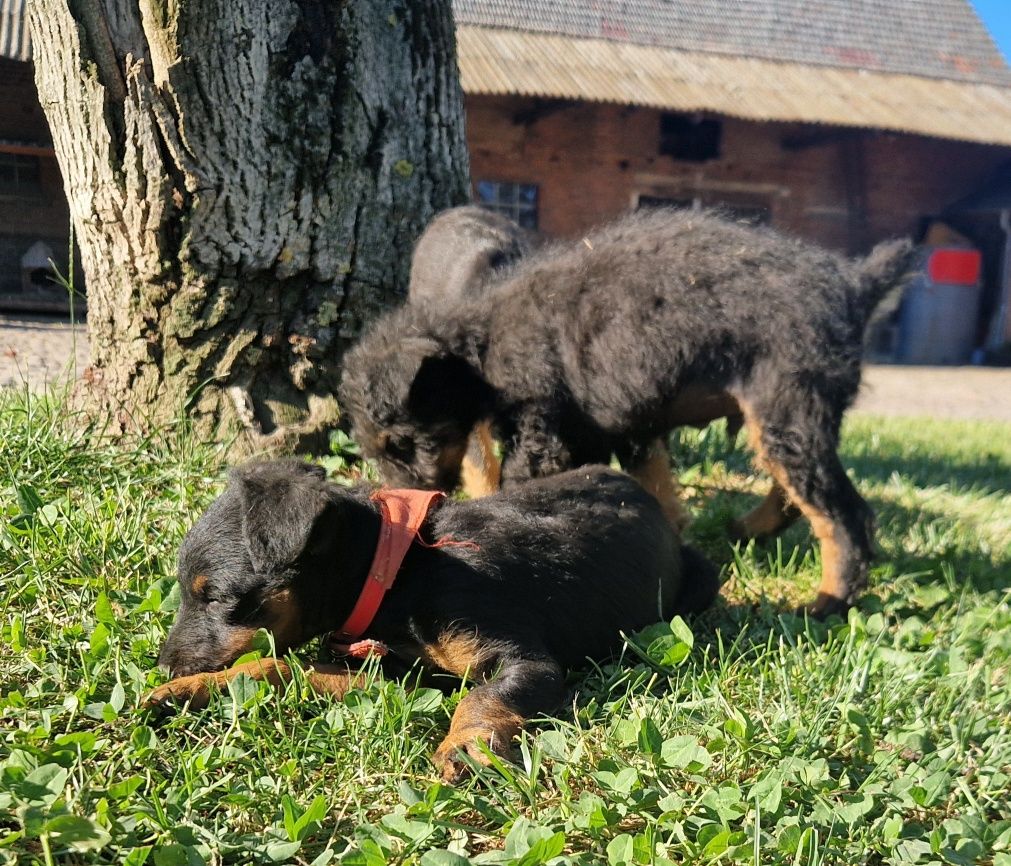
(596, 347)
(462, 253)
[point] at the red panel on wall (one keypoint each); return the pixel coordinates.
(955, 267)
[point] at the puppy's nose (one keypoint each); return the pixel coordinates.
(178, 669)
(170, 663)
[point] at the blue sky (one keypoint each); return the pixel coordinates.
(996, 14)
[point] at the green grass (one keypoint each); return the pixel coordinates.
(748, 736)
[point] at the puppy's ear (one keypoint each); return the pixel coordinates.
(446, 387)
(282, 503)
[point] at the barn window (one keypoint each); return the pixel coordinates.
(518, 201)
(689, 138)
(751, 210)
(19, 174)
(679, 202)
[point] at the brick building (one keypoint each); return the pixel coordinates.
(841, 121)
(34, 217)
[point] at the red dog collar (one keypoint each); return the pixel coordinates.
(402, 513)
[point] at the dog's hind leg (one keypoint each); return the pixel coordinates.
(537, 446)
(796, 444)
(652, 469)
(493, 713)
(700, 583)
(771, 516)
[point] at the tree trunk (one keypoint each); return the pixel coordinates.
(246, 178)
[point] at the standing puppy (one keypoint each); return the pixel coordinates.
(461, 254)
(509, 590)
(660, 319)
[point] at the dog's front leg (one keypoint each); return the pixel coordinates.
(336, 680)
(536, 448)
(494, 713)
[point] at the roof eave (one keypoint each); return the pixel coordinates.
(508, 62)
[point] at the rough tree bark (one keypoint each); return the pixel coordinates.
(246, 178)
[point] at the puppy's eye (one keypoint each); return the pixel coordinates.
(248, 609)
(401, 450)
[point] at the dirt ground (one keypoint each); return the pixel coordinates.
(936, 392)
(37, 350)
(40, 349)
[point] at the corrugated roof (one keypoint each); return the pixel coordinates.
(506, 62)
(687, 56)
(935, 38)
(15, 42)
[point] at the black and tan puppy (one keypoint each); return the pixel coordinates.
(462, 253)
(658, 320)
(548, 576)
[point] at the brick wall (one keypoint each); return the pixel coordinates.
(845, 191)
(38, 213)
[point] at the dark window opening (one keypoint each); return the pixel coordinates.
(741, 212)
(518, 201)
(41, 277)
(646, 201)
(752, 210)
(688, 138)
(20, 174)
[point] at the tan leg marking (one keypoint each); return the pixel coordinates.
(478, 718)
(768, 517)
(482, 472)
(458, 653)
(833, 590)
(656, 477)
(334, 680)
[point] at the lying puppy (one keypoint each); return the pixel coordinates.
(661, 319)
(508, 590)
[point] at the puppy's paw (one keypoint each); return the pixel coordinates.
(824, 606)
(740, 529)
(195, 690)
(736, 531)
(449, 760)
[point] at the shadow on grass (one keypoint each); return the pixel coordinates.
(911, 539)
(970, 559)
(900, 528)
(987, 474)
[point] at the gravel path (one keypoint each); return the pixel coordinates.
(936, 392)
(39, 349)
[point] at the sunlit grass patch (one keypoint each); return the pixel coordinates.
(746, 735)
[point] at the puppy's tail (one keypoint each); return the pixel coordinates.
(700, 583)
(883, 271)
